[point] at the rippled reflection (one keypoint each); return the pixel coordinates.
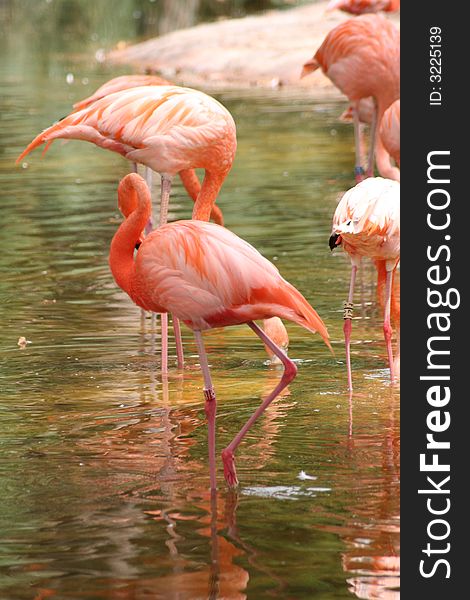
(104, 474)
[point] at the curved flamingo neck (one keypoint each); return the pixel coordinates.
(208, 195)
(135, 204)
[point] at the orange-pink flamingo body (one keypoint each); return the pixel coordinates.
(125, 82)
(167, 128)
(361, 56)
(208, 277)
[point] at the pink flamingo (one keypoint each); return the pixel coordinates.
(360, 7)
(361, 56)
(390, 131)
(167, 128)
(188, 177)
(367, 223)
(208, 277)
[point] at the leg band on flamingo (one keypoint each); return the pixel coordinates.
(348, 310)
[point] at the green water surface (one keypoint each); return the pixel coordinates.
(103, 466)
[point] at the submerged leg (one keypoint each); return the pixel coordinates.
(210, 406)
(387, 326)
(358, 169)
(290, 371)
(373, 140)
(347, 327)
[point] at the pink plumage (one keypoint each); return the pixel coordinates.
(118, 84)
(361, 56)
(167, 128)
(208, 277)
(360, 7)
(390, 131)
(366, 223)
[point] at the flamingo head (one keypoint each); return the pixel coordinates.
(334, 241)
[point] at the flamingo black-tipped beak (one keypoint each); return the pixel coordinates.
(335, 240)
(138, 243)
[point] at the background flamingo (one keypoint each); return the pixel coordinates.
(390, 131)
(167, 128)
(188, 177)
(208, 277)
(361, 56)
(367, 223)
(360, 7)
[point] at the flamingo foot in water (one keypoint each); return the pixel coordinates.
(230, 472)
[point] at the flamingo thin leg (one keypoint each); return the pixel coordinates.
(179, 342)
(387, 326)
(148, 179)
(164, 203)
(210, 406)
(347, 327)
(373, 139)
(164, 342)
(290, 371)
(358, 169)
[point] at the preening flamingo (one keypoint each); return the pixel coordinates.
(208, 277)
(188, 177)
(167, 128)
(390, 131)
(367, 223)
(361, 56)
(360, 7)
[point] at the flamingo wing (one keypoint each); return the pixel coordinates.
(167, 128)
(118, 84)
(209, 277)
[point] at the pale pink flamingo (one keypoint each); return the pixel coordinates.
(167, 128)
(208, 277)
(361, 56)
(390, 131)
(367, 223)
(360, 7)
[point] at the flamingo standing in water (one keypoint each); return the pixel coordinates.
(188, 177)
(361, 56)
(367, 223)
(390, 131)
(167, 128)
(208, 277)
(360, 7)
